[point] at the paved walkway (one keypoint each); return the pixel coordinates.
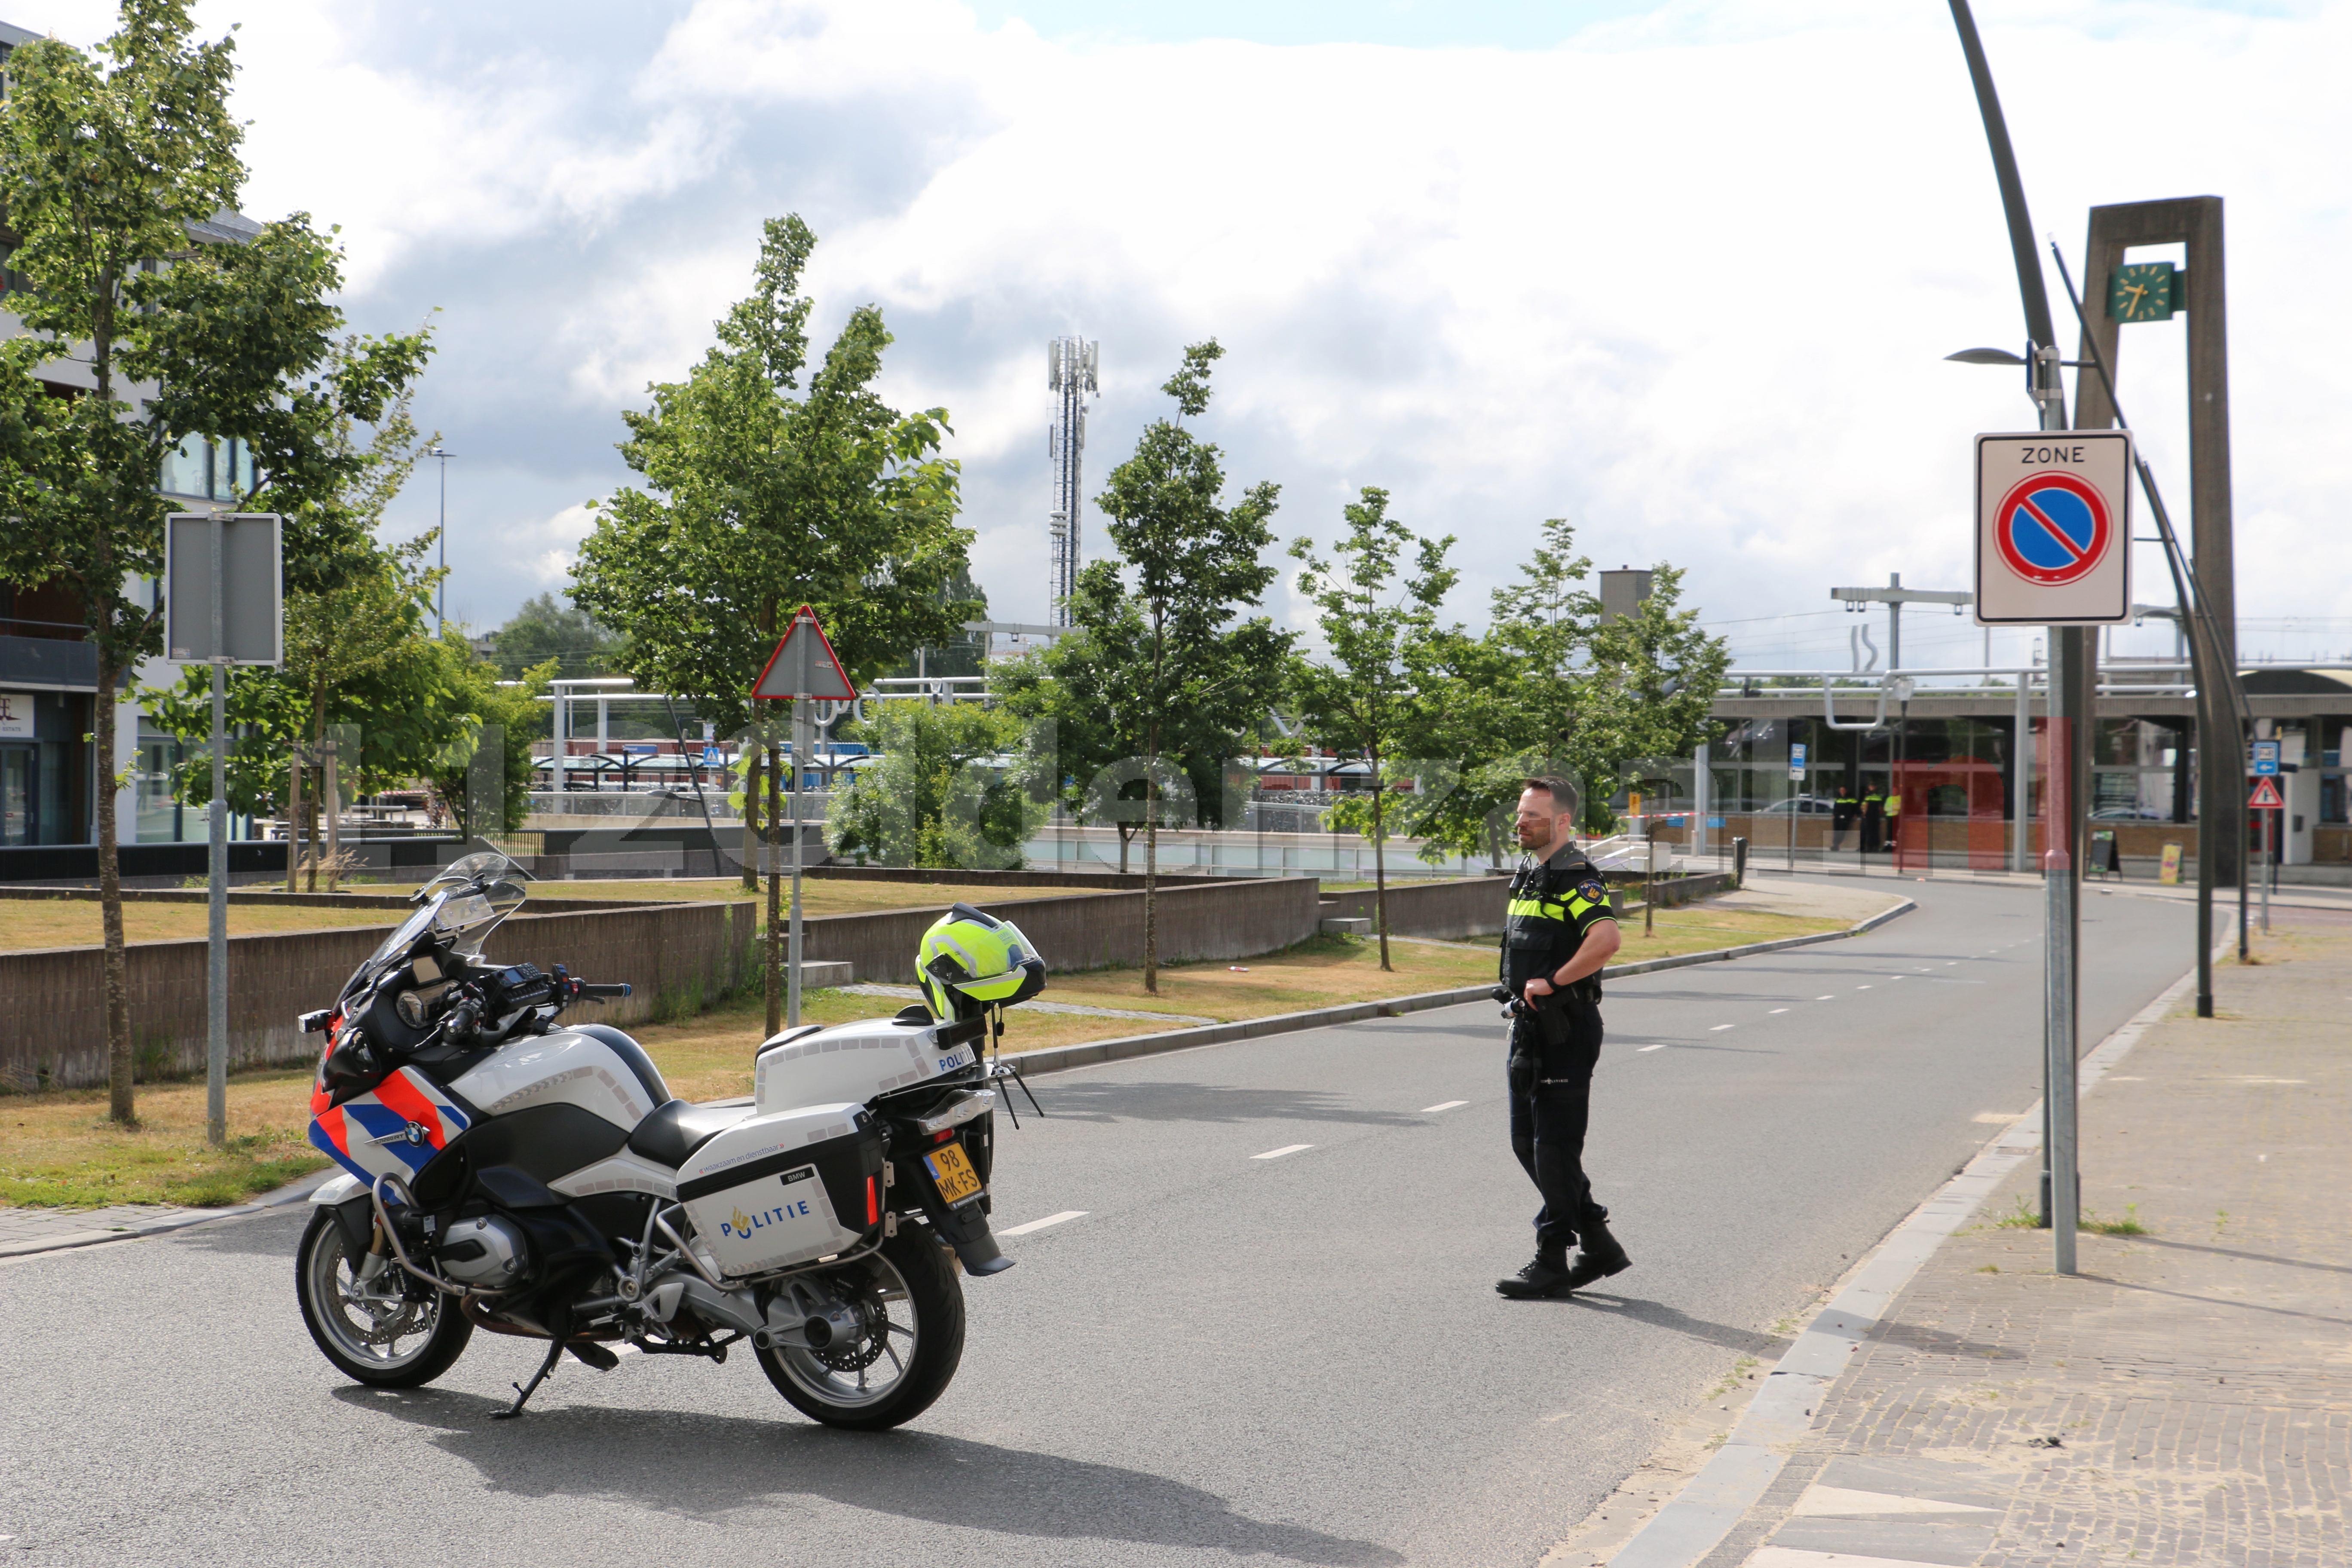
(2185, 1398)
(28, 1230)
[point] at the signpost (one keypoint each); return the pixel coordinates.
(2265, 797)
(802, 669)
(224, 605)
(2053, 547)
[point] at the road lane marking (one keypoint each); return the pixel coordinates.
(1779, 1009)
(1285, 1149)
(1720, 1027)
(1444, 1105)
(1862, 988)
(1042, 1223)
(1659, 1046)
(1825, 998)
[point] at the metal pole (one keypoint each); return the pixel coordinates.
(2062, 909)
(216, 888)
(2270, 864)
(803, 731)
(2058, 788)
(2021, 764)
(1701, 799)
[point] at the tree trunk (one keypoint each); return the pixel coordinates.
(752, 780)
(120, 1067)
(775, 891)
(1151, 865)
(1379, 859)
(293, 814)
(317, 795)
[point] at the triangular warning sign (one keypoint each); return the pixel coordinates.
(2265, 797)
(803, 665)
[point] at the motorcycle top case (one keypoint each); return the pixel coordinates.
(392, 1129)
(784, 1189)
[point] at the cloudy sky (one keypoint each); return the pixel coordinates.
(1683, 272)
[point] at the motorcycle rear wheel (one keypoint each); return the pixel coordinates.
(913, 1302)
(373, 1331)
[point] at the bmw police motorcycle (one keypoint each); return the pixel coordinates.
(512, 1171)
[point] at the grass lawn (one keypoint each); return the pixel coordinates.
(819, 895)
(74, 922)
(59, 1148)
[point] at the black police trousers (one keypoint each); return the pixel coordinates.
(1547, 1125)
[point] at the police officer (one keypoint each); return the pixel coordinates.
(1844, 809)
(1874, 819)
(1893, 816)
(1558, 933)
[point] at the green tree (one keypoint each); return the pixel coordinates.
(111, 162)
(937, 794)
(543, 629)
(757, 502)
(485, 709)
(1550, 689)
(1163, 617)
(1371, 691)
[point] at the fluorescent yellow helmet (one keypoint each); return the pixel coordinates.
(970, 961)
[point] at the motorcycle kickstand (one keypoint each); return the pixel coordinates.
(523, 1393)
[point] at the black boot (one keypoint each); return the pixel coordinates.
(1596, 1259)
(1547, 1276)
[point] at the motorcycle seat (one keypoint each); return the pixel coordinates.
(677, 1128)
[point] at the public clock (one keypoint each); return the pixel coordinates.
(2145, 292)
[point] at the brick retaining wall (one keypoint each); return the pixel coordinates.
(53, 1032)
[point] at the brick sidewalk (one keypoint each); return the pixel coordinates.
(2187, 1398)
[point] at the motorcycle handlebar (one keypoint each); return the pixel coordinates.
(620, 989)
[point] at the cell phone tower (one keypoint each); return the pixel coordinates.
(1070, 370)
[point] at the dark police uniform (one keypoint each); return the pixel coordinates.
(1553, 904)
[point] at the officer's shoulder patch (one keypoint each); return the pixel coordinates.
(1593, 888)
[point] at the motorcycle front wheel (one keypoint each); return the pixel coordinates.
(911, 1304)
(364, 1317)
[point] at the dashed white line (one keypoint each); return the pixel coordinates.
(1862, 988)
(1042, 1223)
(1779, 1009)
(1825, 998)
(1659, 1046)
(1278, 1153)
(1720, 1027)
(1441, 1105)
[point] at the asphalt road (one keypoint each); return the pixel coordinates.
(1223, 1356)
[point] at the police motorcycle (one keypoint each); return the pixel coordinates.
(512, 1171)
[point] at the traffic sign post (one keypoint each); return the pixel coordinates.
(224, 605)
(2266, 760)
(2265, 797)
(803, 669)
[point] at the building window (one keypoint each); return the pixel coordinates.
(208, 471)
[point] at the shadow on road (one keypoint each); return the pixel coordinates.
(1748, 1342)
(1092, 1100)
(708, 1466)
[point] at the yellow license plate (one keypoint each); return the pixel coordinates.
(951, 1169)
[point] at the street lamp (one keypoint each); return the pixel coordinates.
(441, 540)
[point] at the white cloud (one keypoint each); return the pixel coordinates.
(1687, 279)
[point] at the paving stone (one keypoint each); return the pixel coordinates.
(2197, 1380)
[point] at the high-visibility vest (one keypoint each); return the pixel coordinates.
(1895, 805)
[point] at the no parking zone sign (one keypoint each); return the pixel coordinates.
(2053, 529)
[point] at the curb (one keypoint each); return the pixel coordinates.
(1712, 1502)
(1093, 1053)
(293, 1192)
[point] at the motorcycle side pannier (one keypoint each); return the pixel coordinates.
(784, 1189)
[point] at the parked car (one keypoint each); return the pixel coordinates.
(1800, 805)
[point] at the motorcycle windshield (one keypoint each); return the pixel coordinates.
(467, 898)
